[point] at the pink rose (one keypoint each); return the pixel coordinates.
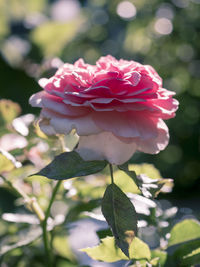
(116, 107)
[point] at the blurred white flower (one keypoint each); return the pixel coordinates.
(21, 123)
(12, 141)
(126, 10)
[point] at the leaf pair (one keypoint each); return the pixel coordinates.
(117, 209)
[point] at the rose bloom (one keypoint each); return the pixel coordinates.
(116, 107)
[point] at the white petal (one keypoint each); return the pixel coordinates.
(12, 141)
(36, 99)
(43, 82)
(83, 125)
(46, 127)
(155, 145)
(105, 146)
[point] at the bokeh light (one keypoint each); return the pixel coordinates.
(181, 3)
(165, 11)
(185, 52)
(126, 10)
(65, 10)
(163, 26)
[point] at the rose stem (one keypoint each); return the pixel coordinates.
(44, 225)
(111, 173)
(46, 241)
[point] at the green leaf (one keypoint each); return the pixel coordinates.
(62, 247)
(145, 168)
(121, 216)
(161, 255)
(188, 254)
(184, 231)
(7, 162)
(69, 165)
(90, 187)
(132, 174)
(123, 181)
(107, 251)
(8, 110)
(149, 187)
(44, 35)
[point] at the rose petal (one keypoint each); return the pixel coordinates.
(36, 99)
(83, 125)
(105, 146)
(126, 124)
(43, 82)
(46, 127)
(123, 98)
(155, 145)
(56, 104)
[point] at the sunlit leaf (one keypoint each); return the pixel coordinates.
(161, 255)
(44, 35)
(184, 231)
(149, 187)
(7, 162)
(4, 29)
(107, 251)
(145, 168)
(8, 110)
(19, 11)
(61, 245)
(124, 182)
(131, 173)
(69, 164)
(121, 216)
(92, 186)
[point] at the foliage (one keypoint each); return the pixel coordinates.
(108, 252)
(69, 165)
(115, 207)
(164, 236)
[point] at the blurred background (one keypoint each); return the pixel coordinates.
(37, 35)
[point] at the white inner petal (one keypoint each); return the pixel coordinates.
(83, 125)
(105, 146)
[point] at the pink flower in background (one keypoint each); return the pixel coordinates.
(116, 107)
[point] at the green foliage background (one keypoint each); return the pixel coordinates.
(32, 34)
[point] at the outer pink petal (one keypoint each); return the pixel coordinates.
(155, 145)
(166, 107)
(105, 146)
(36, 99)
(55, 104)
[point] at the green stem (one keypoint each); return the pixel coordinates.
(111, 173)
(44, 226)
